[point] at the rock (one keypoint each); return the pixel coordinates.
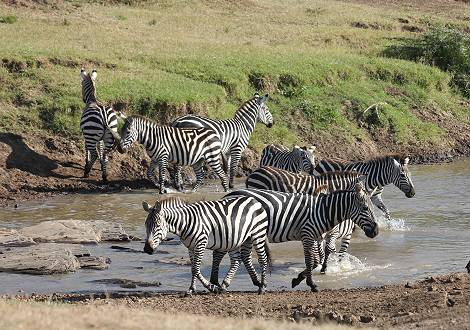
(62, 231)
(367, 318)
(43, 259)
(296, 316)
(76, 231)
(450, 302)
(127, 284)
(109, 231)
(350, 319)
(409, 285)
(334, 316)
(317, 313)
(98, 263)
(12, 238)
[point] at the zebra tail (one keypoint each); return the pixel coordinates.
(225, 164)
(269, 255)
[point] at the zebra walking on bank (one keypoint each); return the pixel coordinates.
(296, 160)
(304, 217)
(232, 225)
(96, 117)
(234, 133)
(380, 172)
(181, 146)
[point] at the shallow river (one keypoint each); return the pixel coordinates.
(428, 234)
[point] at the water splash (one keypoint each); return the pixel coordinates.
(393, 224)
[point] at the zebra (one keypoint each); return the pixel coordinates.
(304, 217)
(232, 225)
(234, 133)
(272, 178)
(380, 172)
(296, 160)
(182, 146)
(97, 124)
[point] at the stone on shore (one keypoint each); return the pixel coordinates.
(76, 231)
(12, 238)
(91, 262)
(42, 259)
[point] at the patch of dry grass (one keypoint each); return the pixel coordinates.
(48, 316)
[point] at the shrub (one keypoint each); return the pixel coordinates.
(444, 47)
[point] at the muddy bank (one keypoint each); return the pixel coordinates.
(35, 166)
(435, 302)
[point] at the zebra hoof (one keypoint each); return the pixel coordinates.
(314, 289)
(295, 282)
(323, 271)
(189, 293)
(261, 290)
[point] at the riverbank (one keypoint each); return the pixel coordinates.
(433, 303)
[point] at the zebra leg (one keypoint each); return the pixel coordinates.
(178, 180)
(260, 248)
(235, 259)
(330, 247)
(318, 256)
(309, 261)
(93, 154)
(151, 172)
(215, 164)
(199, 170)
(163, 164)
(192, 287)
(217, 257)
(344, 246)
(235, 157)
(198, 254)
(377, 201)
(104, 163)
(248, 262)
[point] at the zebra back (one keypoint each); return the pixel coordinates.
(296, 160)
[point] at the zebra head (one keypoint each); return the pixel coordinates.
(402, 177)
(362, 213)
(88, 86)
(156, 227)
(129, 133)
(307, 158)
(264, 115)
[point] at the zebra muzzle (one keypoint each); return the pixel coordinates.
(148, 249)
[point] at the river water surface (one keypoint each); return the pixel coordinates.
(428, 234)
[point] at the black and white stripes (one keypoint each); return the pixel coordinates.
(232, 225)
(176, 145)
(96, 122)
(233, 133)
(296, 160)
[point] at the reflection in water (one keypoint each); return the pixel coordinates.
(427, 234)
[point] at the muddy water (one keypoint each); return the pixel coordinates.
(429, 234)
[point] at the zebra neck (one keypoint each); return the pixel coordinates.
(333, 209)
(247, 116)
(377, 173)
(177, 223)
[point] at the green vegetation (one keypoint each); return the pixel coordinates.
(9, 19)
(321, 62)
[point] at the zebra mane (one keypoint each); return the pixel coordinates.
(398, 157)
(244, 106)
(142, 118)
(173, 202)
(321, 189)
(332, 173)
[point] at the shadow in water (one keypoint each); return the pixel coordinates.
(24, 158)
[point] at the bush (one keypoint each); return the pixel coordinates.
(444, 47)
(10, 19)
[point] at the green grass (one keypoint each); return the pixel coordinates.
(163, 59)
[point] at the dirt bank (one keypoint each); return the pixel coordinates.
(35, 166)
(433, 303)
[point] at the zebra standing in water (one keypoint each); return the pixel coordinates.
(380, 172)
(296, 160)
(234, 133)
(304, 217)
(95, 119)
(177, 145)
(232, 225)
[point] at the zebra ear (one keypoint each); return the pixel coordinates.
(93, 74)
(312, 148)
(406, 161)
(157, 207)
(256, 94)
(263, 99)
(296, 147)
(83, 73)
(146, 206)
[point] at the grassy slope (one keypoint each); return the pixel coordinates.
(166, 58)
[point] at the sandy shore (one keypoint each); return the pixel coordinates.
(433, 303)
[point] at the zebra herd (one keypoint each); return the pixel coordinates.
(290, 197)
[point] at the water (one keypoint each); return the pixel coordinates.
(428, 234)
